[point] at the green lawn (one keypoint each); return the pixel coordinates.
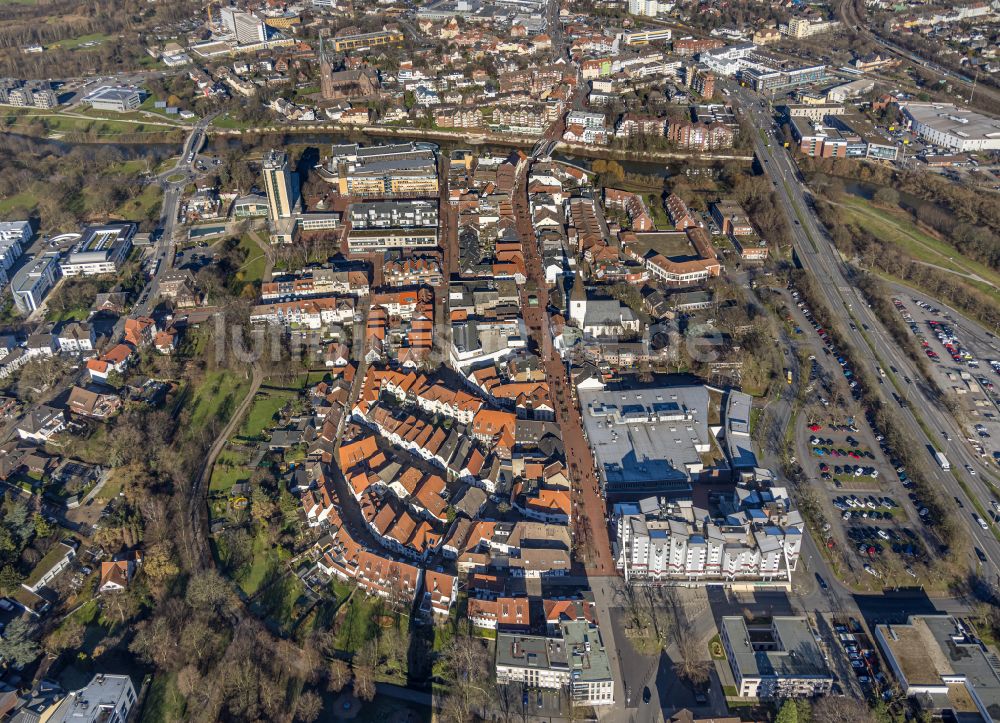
(265, 565)
(164, 703)
(144, 206)
(113, 485)
(262, 412)
(898, 229)
(14, 119)
(77, 314)
(357, 626)
(22, 200)
(252, 270)
(307, 91)
(224, 121)
(149, 104)
(225, 476)
(81, 42)
(217, 397)
(282, 600)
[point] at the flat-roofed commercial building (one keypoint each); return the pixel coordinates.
(778, 661)
(946, 125)
(937, 658)
(100, 250)
(117, 98)
(648, 441)
(401, 170)
(764, 80)
(367, 40)
(14, 236)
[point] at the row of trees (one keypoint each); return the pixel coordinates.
(946, 534)
(871, 252)
(840, 709)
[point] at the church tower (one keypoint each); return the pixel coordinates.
(578, 301)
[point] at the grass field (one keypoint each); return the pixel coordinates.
(77, 314)
(146, 205)
(100, 125)
(164, 704)
(676, 244)
(225, 122)
(149, 105)
(114, 484)
(217, 397)
(225, 476)
(280, 601)
(23, 200)
(265, 405)
(357, 624)
(265, 562)
(83, 42)
(899, 230)
(252, 270)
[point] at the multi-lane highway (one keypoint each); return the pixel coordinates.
(924, 418)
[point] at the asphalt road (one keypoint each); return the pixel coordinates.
(163, 249)
(873, 344)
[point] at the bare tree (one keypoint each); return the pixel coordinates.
(467, 669)
(364, 672)
(308, 707)
(836, 709)
(691, 664)
(338, 674)
(507, 701)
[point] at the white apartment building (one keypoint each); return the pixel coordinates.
(660, 542)
(248, 28)
(727, 60)
(574, 658)
(100, 250)
(393, 214)
(593, 121)
(33, 281)
(106, 699)
(647, 8)
(312, 313)
(14, 236)
(777, 662)
(76, 337)
(807, 27)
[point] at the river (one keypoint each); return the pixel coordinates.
(322, 141)
(867, 191)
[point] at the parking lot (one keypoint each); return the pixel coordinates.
(966, 366)
(864, 658)
(876, 527)
(871, 517)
